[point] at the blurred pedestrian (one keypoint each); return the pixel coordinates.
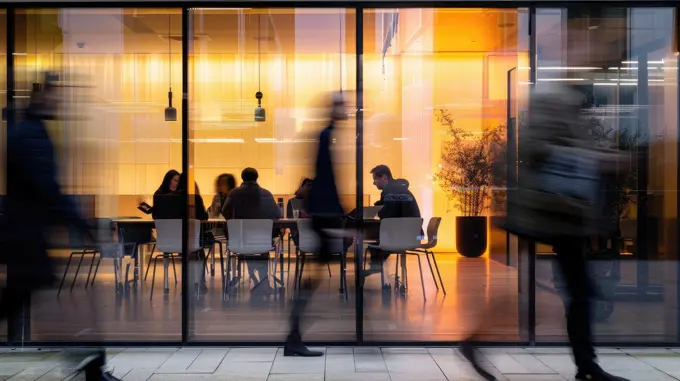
(323, 204)
(560, 201)
(34, 204)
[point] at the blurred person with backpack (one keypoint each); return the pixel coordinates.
(561, 201)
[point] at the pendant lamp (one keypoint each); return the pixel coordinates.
(170, 112)
(260, 115)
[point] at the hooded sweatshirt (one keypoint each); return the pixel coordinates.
(397, 201)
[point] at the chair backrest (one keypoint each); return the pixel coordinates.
(400, 234)
(169, 235)
(432, 231)
(310, 242)
(101, 228)
(250, 236)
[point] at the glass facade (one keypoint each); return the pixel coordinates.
(412, 77)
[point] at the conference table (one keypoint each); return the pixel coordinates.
(139, 228)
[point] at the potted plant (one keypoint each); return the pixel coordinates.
(467, 173)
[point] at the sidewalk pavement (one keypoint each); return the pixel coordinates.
(339, 364)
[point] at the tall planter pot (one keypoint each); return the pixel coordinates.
(471, 236)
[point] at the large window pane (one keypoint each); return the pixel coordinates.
(118, 67)
(633, 96)
(295, 57)
(428, 72)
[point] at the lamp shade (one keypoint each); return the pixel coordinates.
(170, 114)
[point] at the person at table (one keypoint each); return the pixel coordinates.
(224, 184)
(298, 203)
(172, 205)
(168, 185)
(397, 201)
(251, 201)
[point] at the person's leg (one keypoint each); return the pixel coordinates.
(294, 345)
(579, 289)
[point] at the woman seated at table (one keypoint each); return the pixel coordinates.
(223, 185)
(172, 205)
(297, 203)
(168, 185)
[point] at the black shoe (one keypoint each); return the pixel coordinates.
(468, 351)
(108, 376)
(295, 347)
(597, 374)
(92, 367)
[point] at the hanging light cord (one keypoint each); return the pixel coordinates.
(259, 61)
(169, 54)
(35, 32)
(340, 45)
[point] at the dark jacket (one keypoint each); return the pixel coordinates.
(250, 201)
(397, 201)
(323, 199)
(34, 202)
(172, 206)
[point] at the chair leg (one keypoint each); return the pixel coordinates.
(397, 278)
(63, 278)
(80, 262)
(222, 267)
(148, 266)
(174, 270)
(328, 265)
(96, 270)
(422, 278)
(438, 273)
(153, 275)
(429, 263)
(227, 277)
(89, 272)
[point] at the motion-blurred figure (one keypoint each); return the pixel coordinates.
(323, 204)
(34, 204)
(560, 202)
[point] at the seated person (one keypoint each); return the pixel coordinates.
(173, 206)
(396, 200)
(168, 185)
(298, 203)
(224, 184)
(250, 201)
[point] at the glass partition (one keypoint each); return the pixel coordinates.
(633, 99)
(438, 85)
(113, 147)
(295, 58)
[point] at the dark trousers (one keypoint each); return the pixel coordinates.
(378, 258)
(573, 267)
(321, 225)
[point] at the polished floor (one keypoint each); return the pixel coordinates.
(338, 364)
(472, 286)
